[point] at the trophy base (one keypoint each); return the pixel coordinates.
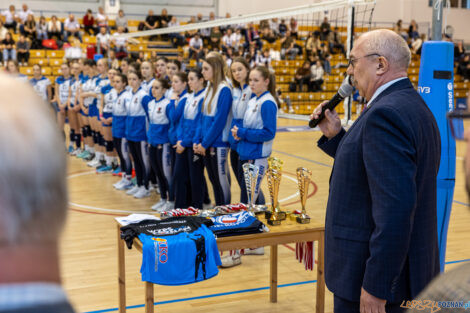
(293, 217)
(281, 215)
(274, 222)
(303, 220)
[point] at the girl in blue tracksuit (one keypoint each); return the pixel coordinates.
(136, 135)
(119, 131)
(146, 70)
(211, 140)
(190, 184)
(177, 104)
(241, 94)
(256, 135)
(159, 151)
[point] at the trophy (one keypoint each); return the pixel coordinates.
(303, 177)
(273, 175)
(251, 174)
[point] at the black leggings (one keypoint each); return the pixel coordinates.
(160, 162)
(215, 161)
(122, 148)
(235, 163)
(139, 152)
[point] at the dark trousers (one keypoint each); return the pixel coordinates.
(236, 165)
(122, 149)
(139, 153)
(160, 163)
(181, 180)
(171, 187)
(22, 57)
(215, 161)
(345, 306)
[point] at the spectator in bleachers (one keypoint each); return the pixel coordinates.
(205, 32)
(120, 43)
(72, 28)
(264, 59)
(226, 41)
(463, 67)
(10, 18)
(252, 37)
(215, 38)
(176, 38)
(3, 30)
(196, 47)
(313, 43)
(121, 20)
(459, 51)
(269, 36)
(9, 51)
(24, 13)
(101, 19)
(334, 42)
(302, 77)
(41, 29)
(164, 19)
(288, 47)
(325, 28)
(103, 40)
(413, 30)
(54, 28)
(151, 22)
(191, 33)
(113, 61)
(325, 58)
(249, 58)
(236, 39)
(282, 27)
(89, 23)
(293, 27)
(274, 25)
(316, 78)
(229, 56)
(417, 44)
(22, 50)
(398, 28)
(29, 28)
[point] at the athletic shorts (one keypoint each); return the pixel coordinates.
(107, 115)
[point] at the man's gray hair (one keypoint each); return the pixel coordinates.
(33, 190)
(390, 45)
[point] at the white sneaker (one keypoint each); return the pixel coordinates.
(142, 193)
(127, 184)
(159, 206)
(231, 260)
(256, 251)
(94, 163)
(119, 183)
(170, 205)
(76, 151)
(133, 190)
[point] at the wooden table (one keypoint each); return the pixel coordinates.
(288, 232)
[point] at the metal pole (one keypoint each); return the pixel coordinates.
(436, 31)
(349, 45)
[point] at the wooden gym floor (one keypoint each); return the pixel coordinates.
(89, 254)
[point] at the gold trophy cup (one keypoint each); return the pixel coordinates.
(273, 175)
(303, 178)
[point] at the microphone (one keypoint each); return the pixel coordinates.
(344, 91)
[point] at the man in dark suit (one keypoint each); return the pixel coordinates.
(381, 225)
(33, 202)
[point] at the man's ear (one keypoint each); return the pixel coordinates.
(382, 65)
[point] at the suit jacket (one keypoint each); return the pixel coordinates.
(381, 223)
(64, 307)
